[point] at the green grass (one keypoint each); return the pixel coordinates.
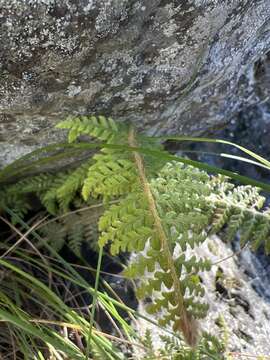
(43, 314)
(35, 317)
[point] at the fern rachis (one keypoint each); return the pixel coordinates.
(186, 324)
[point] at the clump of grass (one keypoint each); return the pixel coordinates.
(44, 313)
(48, 309)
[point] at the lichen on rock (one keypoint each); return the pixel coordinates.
(167, 66)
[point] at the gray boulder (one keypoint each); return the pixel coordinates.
(168, 66)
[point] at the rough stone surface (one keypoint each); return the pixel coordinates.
(168, 66)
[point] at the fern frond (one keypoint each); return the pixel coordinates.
(15, 196)
(35, 184)
(98, 127)
(73, 183)
(112, 175)
(238, 210)
(18, 204)
(76, 238)
(164, 214)
(126, 225)
(159, 219)
(73, 230)
(49, 197)
(56, 191)
(180, 314)
(55, 233)
(209, 347)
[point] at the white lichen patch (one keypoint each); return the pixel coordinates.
(73, 90)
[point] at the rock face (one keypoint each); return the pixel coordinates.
(168, 66)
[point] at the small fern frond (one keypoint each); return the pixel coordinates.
(111, 175)
(76, 238)
(49, 197)
(209, 347)
(36, 185)
(15, 196)
(73, 229)
(127, 226)
(55, 234)
(17, 203)
(238, 210)
(73, 183)
(99, 127)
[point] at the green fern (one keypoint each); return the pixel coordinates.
(164, 213)
(55, 191)
(98, 127)
(143, 221)
(55, 234)
(74, 229)
(112, 175)
(66, 193)
(238, 211)
(209, 347)
(15, 196)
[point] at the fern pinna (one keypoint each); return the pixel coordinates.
(164, 211)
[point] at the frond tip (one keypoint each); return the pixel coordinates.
(99, 127)
(238, 211)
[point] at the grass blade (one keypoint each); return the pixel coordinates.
(218, 141)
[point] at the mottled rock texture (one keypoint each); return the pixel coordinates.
(169, 66)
